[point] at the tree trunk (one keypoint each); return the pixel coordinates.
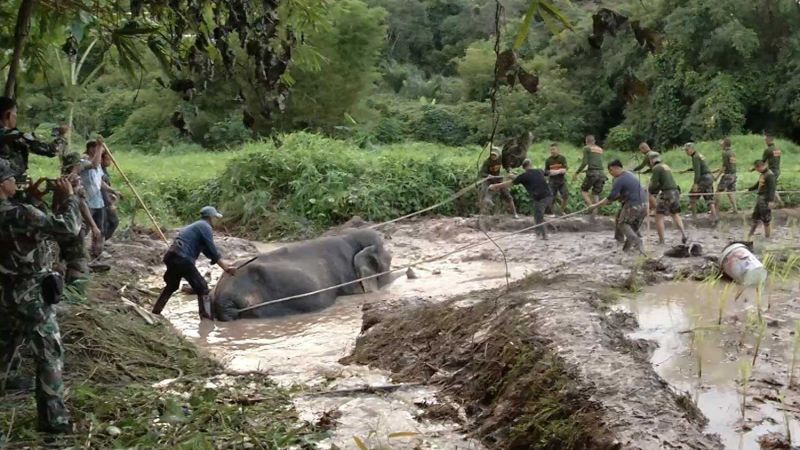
(20, 36)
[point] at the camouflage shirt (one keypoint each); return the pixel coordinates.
(491, 168)
(729, 162)
(592, 159)
(24, 232)
(16, 146)
(772, 156)
(662, 179)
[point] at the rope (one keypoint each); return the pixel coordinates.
(413, 264)
(422, 211)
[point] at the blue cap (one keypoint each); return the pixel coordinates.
(209, 211)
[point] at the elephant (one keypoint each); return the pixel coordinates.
(301, 268)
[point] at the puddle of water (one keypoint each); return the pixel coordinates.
(667, 312)
(305, 349)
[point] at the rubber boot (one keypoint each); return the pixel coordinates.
(161, 302)
(52, 415)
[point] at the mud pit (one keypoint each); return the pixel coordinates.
(491, 359)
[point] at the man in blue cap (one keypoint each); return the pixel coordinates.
(181, 257)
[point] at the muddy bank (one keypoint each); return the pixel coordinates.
(565, 311)
(132, 381)
(550, 363)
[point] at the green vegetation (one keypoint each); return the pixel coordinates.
(113, 359)
(311, 182)
(384, 71)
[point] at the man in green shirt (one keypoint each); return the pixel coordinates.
(772, 156)
(703, 186)
(663, 184)
(644, 149)
(727, 182)
(595, 178)
(766, 186)
(555, 168)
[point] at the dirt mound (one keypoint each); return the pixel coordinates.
(538, 366)
(517, 391)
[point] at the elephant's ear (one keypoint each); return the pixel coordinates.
(366, 264)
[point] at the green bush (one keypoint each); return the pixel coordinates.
(437, 124)
(227, 133)
(620, 138)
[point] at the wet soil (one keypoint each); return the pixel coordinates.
(534, 346)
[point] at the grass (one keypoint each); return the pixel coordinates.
(311, 182)
(113, 359)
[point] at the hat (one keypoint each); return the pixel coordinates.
(6, 171)
(495, 150)
(210, 211)
(654, 156)
(687, 145)
(70, 160)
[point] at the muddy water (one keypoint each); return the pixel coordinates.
(303, 351)
(710, 362)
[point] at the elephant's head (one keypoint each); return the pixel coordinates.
(372, 259)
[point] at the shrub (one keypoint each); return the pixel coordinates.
(227, 133)
(620, 138)
(437, 124)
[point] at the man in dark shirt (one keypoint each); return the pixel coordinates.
(555, 168)
(627, 189)
(491, 168)
(535, 183)
(766, 186)
(181, 257)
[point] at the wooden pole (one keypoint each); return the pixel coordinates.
(136, 194)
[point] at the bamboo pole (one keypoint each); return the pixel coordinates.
(136, 194)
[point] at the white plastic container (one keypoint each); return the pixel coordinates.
(743, 266)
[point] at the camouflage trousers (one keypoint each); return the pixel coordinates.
(72, 252)
(28, 320)
(629, 220)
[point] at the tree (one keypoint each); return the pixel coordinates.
(349, 48)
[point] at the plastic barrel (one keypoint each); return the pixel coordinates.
(741, 265)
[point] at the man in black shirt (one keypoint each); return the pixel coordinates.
(536, 184)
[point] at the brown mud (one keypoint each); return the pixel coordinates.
(534, 346)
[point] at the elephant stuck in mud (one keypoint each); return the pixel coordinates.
(300, 268)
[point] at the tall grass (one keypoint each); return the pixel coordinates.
(311, 182)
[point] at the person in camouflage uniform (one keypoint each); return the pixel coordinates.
(627, 189)
(727, 173)
(766, 187)
(703, 186)
(663, 184)
(29, 291)
(646, 166)
(595, 178)
(555, 168)
(15, 146)
(772, 156)
(72, 249)
(491, 168)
